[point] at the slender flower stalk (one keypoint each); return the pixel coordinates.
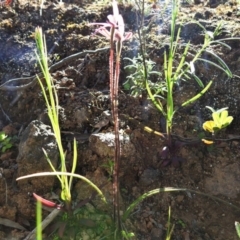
(116, 33)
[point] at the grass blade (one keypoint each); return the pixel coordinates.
(65, 174)
(198, 95)
(223, 64)
(198, 80)
(171, 189)
(237, 226)
(39, 220)
(227, 71)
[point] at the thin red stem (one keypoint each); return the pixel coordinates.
(111, 78)
(117, 142)
(114, 84)
(111, 67)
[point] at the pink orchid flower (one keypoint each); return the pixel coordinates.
(115, 22)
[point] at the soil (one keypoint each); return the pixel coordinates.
(210, 206)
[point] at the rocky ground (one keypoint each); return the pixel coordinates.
(83, 89)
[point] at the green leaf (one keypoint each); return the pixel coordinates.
(127, 85)
(193, 99)
(222, 43)
(227, 71)
(237, 226)
(2, 136)
(223, 64)
(198, 80)
(127, 235)
(9, 145)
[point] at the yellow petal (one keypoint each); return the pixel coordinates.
(209, 126)
(207, 141)
(224, 114)
(217, 119)
(229, 119)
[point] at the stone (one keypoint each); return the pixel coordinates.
(148, 177)
(31, 159)
(85, 191)
(103, 144)
(225, 181)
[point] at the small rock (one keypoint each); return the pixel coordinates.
(84, 190)
(213, 3)
(156, 233)
(2, 235)
(148, 177)
(198, 16)
(8, 14)
(9, 212)
(31, 159)
(208, 14)
(226, 181)
(180, 198)
(197, 1)
(192, 32)
(103, 144)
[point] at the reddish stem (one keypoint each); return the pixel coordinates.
(117, 141)
(114, 81)
(111, 81)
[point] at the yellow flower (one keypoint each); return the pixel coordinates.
(221, 119)
(209, 126)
